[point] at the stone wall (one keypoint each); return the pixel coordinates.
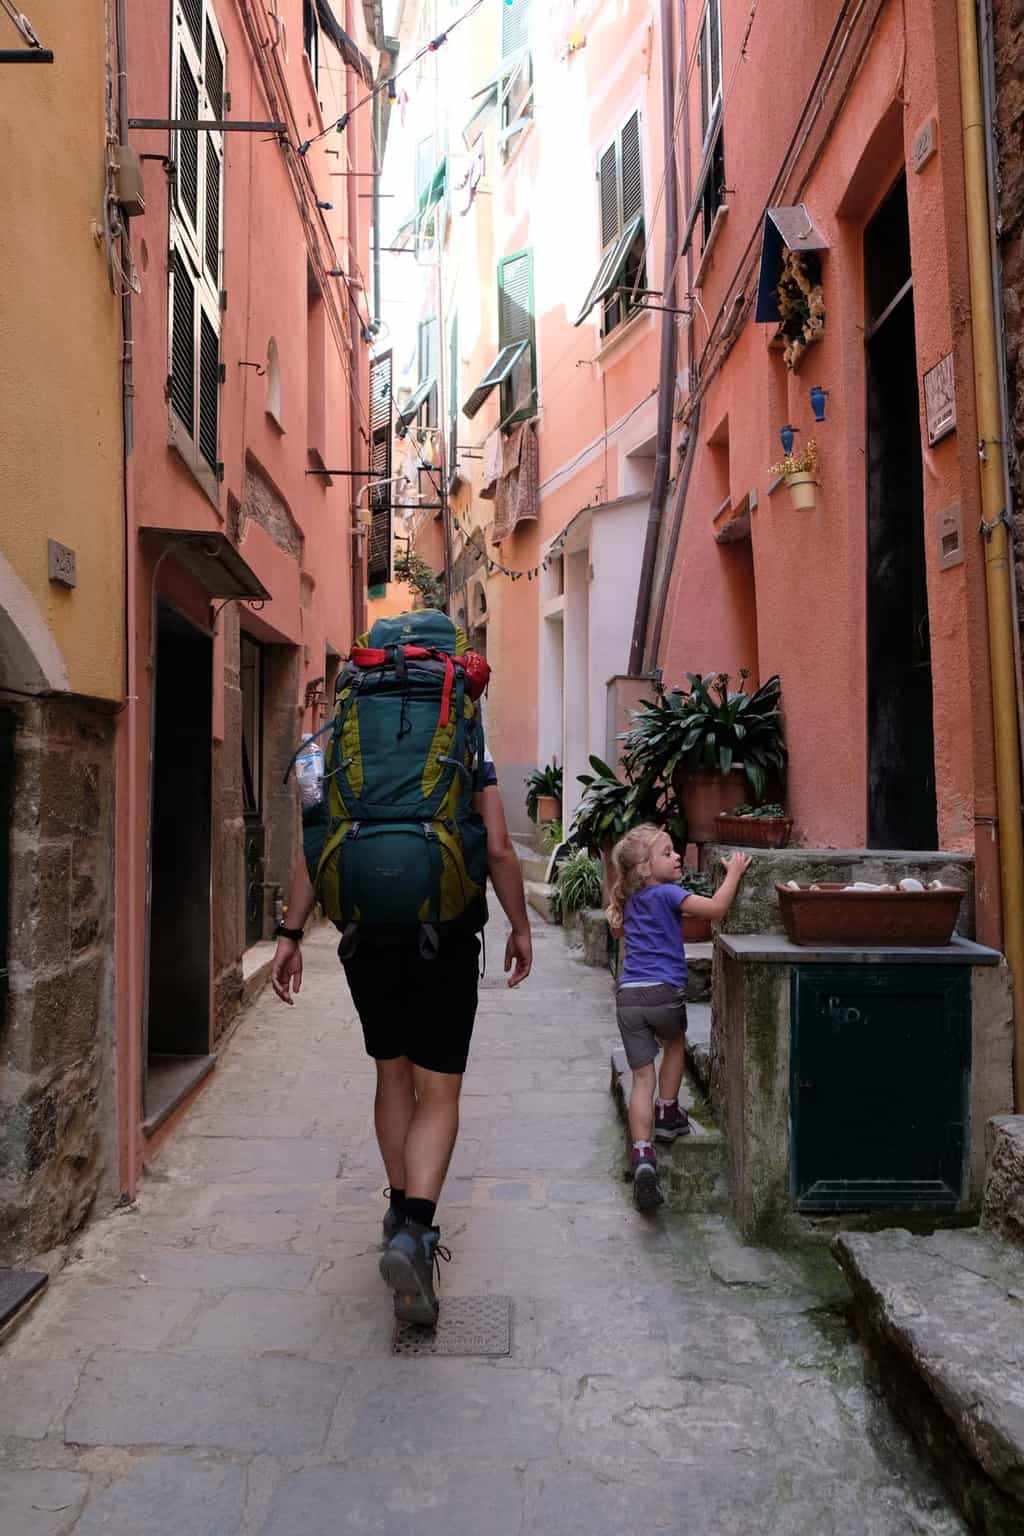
(1009, 45)
(57, 1083)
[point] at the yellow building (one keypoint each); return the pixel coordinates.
(62, 636)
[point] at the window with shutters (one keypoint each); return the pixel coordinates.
(311, 38)
(453, 403)
(621, 271)
(515, 86)
(514, 370)
(196, 224)
(709, 195)
(379, 564)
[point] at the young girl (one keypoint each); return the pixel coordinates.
(646, 906)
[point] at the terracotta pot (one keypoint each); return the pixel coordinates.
(754, 831)
(832, 915)
(696, 930)
(803, 490)
(549, 808)
(704, 796)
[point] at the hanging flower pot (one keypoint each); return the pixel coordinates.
(800, 472)
(803, 490)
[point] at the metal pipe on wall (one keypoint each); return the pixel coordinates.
(995, 520)
(669, 351)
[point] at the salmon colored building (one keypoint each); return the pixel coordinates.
(842, 143)
(247, 376)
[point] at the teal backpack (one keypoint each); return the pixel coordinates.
(395, 845)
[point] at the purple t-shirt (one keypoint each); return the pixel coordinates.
(654, 938)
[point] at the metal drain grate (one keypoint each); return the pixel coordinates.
(466, 1325)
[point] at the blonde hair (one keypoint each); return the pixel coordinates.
(630, 861)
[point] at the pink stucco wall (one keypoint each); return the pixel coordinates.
(264, 277)
(809, 567)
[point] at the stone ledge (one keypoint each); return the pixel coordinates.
(776, 949)
(756, 907)
(538, 896)
(1003, 1200)
(943, 1314)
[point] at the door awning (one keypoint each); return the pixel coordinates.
(791, 229)
(211, 558)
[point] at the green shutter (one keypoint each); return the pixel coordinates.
(631, 172)
(453, 401)
(381, 429)
(516, 324)
(608, 175)
(183, 343)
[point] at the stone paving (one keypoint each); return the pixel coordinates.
(216, 1360)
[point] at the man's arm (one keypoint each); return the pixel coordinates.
(507, 879)
(286, 967)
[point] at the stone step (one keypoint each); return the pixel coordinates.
(1002, 1210)
(692, 1170)
(942, 1314)
(538, 896)
(698, 972)
(698, 1044)
(533, 863)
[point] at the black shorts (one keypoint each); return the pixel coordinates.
(421, 1009)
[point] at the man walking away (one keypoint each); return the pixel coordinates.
(412, 825)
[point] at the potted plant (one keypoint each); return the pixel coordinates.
(801, 304)
(544, 793)
(710, 744)
(578, 886)
(696, 930)
(800, 472)
(755, 826)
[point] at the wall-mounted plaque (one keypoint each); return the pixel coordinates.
(940, 399)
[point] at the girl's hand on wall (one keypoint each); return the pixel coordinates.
(736, 864)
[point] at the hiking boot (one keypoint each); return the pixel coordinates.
(390, 1225)
(670, 1122)
(408, 1264)
(644, 1167)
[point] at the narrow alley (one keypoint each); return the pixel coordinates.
(216, 1359)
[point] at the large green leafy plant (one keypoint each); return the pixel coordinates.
(710, 727)
(611, 806)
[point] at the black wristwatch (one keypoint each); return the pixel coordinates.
(295, 934)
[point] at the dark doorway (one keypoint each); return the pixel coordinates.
(178, 1020)
(901, 748)
(251, 672)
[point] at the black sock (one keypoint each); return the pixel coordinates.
(421, 1211)
(397, 1199)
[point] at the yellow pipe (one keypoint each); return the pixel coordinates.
(996, 532)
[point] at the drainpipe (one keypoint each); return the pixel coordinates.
(669, 351)
(995, 526)
(679, 505)
(132, 819)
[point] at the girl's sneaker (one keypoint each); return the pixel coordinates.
(644, 1167)
(670, 1121)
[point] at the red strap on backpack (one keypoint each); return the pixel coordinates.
(476, 668)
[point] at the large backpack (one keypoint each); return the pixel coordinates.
(395, 846)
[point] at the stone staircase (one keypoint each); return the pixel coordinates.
(943, 1316)
(534, 865)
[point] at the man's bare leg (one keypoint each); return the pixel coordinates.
(430, 1139)
(393, 1110)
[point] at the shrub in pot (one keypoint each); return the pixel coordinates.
(755, 826)
(578, 887)
(709, 743)
(544, 793)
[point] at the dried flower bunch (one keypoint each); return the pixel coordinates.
(801, 303)
(804, 461)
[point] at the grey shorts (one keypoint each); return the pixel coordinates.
(649, 1016)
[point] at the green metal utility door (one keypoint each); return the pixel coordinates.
(880, 1067)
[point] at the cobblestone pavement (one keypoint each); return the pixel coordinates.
(217, 1359)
